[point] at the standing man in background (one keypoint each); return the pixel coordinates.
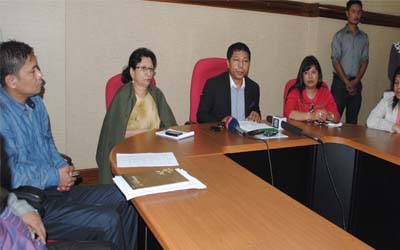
(350, 61)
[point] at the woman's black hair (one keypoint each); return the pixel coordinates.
(134, 59)
(395, 99)
(306, 65)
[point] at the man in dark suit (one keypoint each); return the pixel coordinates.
(231, 93)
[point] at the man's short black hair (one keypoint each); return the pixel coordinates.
(237, 47)
(13, 55)
(351, 2)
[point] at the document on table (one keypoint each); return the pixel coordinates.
(250, 126)
(166, 159)
(130, 193)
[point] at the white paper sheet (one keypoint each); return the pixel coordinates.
(329, 124)
(130, 193)
(332, 124)
(166, 159)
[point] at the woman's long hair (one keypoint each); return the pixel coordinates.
(395, 99)
(306, 64)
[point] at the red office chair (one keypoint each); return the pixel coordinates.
(203, 70)
(112, 86)
(289, 84)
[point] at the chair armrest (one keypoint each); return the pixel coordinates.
(34, 196)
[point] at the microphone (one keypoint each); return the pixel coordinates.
(291, 128)
(276, 121)
(232, 125)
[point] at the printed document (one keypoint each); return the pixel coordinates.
(166, 159)
(131, 193)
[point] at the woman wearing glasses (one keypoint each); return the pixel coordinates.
(386, 115)
(137, 106)
(309, 98)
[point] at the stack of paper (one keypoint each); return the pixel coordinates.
(130, 193)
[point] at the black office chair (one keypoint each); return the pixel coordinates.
(34, 196)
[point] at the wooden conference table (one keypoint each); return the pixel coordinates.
(239, 210)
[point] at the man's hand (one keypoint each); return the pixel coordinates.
(66, 179)
(351, 91)
(396, 128)
(351, 86)
(254, 116)
(35, 225)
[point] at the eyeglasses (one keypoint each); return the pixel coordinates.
(146, 69)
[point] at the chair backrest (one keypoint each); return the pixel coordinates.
(289, 84)
(203, 70)
(112, 86)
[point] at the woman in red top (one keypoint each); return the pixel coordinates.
(309, 99)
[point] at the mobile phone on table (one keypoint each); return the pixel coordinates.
(219, 127)
(255, 132)
(173, 133)
(75, 173)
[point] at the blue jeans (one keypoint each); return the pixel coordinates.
(344, 100)
(98, 212)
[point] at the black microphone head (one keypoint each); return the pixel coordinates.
(269, 118)
(291, 128)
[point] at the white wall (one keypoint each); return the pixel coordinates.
(81, 43)
(41, 24)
